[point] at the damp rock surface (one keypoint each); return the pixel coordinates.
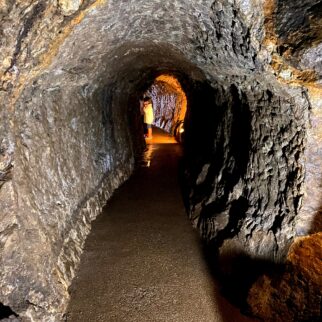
(252, 166)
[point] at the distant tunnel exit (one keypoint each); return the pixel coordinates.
(169, 103)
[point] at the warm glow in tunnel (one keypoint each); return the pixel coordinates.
(169, 105)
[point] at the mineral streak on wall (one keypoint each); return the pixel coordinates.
(71, 76)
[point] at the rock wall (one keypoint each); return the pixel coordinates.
(72, 73)
(246, 188)
(70, 137)
(67, 163)
(169, 102)
(293, 39)
(310, 217)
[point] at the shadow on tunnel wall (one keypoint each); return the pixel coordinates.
(229, 160)
(235, 275)
(217, 150)
(217, 137)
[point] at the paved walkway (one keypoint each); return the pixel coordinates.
(143, 261)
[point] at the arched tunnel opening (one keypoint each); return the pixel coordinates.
(169, 102)
(239, 82)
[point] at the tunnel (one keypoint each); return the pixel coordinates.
(248, 74)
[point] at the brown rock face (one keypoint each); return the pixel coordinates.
(296, 295)
(71, 75)
(252, 167)
(169, 102)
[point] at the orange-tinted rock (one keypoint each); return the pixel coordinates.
(296, 294)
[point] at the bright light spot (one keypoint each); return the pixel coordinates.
(181, 130)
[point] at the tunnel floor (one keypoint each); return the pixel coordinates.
(142, 260)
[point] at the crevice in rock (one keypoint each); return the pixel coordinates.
(6, 312)
(35, 305)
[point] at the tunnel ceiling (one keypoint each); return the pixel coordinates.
(71, 75)
(218, 37)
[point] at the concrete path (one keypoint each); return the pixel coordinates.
(142, 260)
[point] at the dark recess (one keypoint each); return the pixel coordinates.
(237, 274)
(6, 312)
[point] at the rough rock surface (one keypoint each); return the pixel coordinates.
(169, 102)
(295, 295)
(68, 7)
(71, 75)
(254, 165)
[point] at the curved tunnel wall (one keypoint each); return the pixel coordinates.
(75, 145)
(69, 101)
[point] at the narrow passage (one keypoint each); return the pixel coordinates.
(142, 260)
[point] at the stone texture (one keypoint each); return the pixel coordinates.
(296, 61)
(71, 75)
(256, 163)
(296, 294)
(68, 7)
(169, 102)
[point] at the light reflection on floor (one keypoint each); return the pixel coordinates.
(147, 156)
(159, 137)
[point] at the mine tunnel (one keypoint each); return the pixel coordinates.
(242, 79)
